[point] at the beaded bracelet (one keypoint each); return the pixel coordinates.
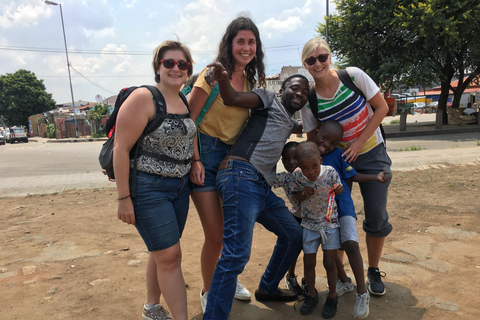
(126, 197)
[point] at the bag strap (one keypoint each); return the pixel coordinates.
(160, 109)
(348, 82)
(213, 95)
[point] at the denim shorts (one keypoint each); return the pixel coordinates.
(213, 151)
(312, 240)
(161, 209)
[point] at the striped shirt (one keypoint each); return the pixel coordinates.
(349, 109)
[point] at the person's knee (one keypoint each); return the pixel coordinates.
(329, 262)
(168, 259)
(351, 248)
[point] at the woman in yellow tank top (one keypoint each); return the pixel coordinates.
(241, 54)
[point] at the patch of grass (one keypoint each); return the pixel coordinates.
(478, 143)
(396, 121)
(412, 148)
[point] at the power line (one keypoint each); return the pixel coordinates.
(133, 53)
(91, 81)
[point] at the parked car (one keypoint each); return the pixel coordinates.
(433, 106)
(13, 134)
(2, 139)
(419, 107)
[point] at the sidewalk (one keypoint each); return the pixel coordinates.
(423, 125)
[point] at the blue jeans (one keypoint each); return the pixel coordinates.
(213, 151)
(247, 199)
(161, 209)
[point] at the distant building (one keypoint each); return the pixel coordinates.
(274, 82)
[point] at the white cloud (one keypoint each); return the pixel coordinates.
(288, 25)
(105, 32)
(25, 14)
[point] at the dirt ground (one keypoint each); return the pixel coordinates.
(66, 256)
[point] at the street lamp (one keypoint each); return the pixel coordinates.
(326, 23)
(68, 64)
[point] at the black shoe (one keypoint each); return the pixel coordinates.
(374, 281)
(309, 304)
(330, 308)
(292, 284)
(281, 295)
(304, 287)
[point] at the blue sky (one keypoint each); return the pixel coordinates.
(111, 43)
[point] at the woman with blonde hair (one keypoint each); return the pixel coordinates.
(362, 143)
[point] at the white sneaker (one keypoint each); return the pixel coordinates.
(156, 313)
(241, 293)
(344, 287)
(362, 306)
(203, 300)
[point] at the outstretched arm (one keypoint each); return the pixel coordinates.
(382, 177)
(229, 95)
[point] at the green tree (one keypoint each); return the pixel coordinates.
(22, 95)
(410, 42)
(97, 115)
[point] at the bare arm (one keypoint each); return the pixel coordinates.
(306, 193)
(381, 109)
(299, 128)
(229, 95)
(198, 98)
(311, 135)
(382, 177)
(131, 121)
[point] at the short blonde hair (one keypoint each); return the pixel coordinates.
(166, 46)
(312, 45)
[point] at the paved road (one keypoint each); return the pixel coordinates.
(40, 167)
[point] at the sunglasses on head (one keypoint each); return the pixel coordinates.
(170, 63)
(321, 57)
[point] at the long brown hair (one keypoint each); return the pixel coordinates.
(225, 56)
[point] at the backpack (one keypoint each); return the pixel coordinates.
(347, 81)
(106, 153)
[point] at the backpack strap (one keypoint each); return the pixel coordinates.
(160, 109)
(213, 95)
(348, 82)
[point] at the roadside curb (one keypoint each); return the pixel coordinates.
(44, 140)
(393, 131)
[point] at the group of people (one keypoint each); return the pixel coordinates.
(221, 149)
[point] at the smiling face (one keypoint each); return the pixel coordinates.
(328, 138)
(295, 94)
(173, 76)
(311, 166)
(244, 48)
(318, 69)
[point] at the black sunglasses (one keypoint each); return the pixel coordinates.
(170, 63)
(321, 57)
